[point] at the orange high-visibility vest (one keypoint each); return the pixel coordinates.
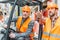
(24, 26)
(51, 33)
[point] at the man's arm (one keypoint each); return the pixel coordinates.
(29, 30)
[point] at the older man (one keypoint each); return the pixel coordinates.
(24, 25)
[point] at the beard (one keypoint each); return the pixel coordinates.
(51, 14)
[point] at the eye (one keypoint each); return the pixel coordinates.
(56, 8)
(23, 11)
(26, 11)
(48, 8)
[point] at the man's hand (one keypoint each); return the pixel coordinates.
(5, 26)
(12, 35)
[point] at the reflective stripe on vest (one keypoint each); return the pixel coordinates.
(43, 39)
(53, 35)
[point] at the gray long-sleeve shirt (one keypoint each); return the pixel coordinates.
(29, 30)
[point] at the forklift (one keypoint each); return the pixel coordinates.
(19, 3)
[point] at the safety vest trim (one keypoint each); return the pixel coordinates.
(43, 39)
(53, 35)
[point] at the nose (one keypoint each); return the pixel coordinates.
(50, 11)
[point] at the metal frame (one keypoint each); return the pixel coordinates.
(20, 3)
(18, 10)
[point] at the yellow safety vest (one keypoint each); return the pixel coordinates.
(51, 33)
(23, 28)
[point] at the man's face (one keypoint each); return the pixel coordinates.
(25, 14)
(51, 12)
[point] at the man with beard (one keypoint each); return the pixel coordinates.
(51, 29)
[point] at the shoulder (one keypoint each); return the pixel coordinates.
(59, 17)
(31, 22)
(19, 16)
